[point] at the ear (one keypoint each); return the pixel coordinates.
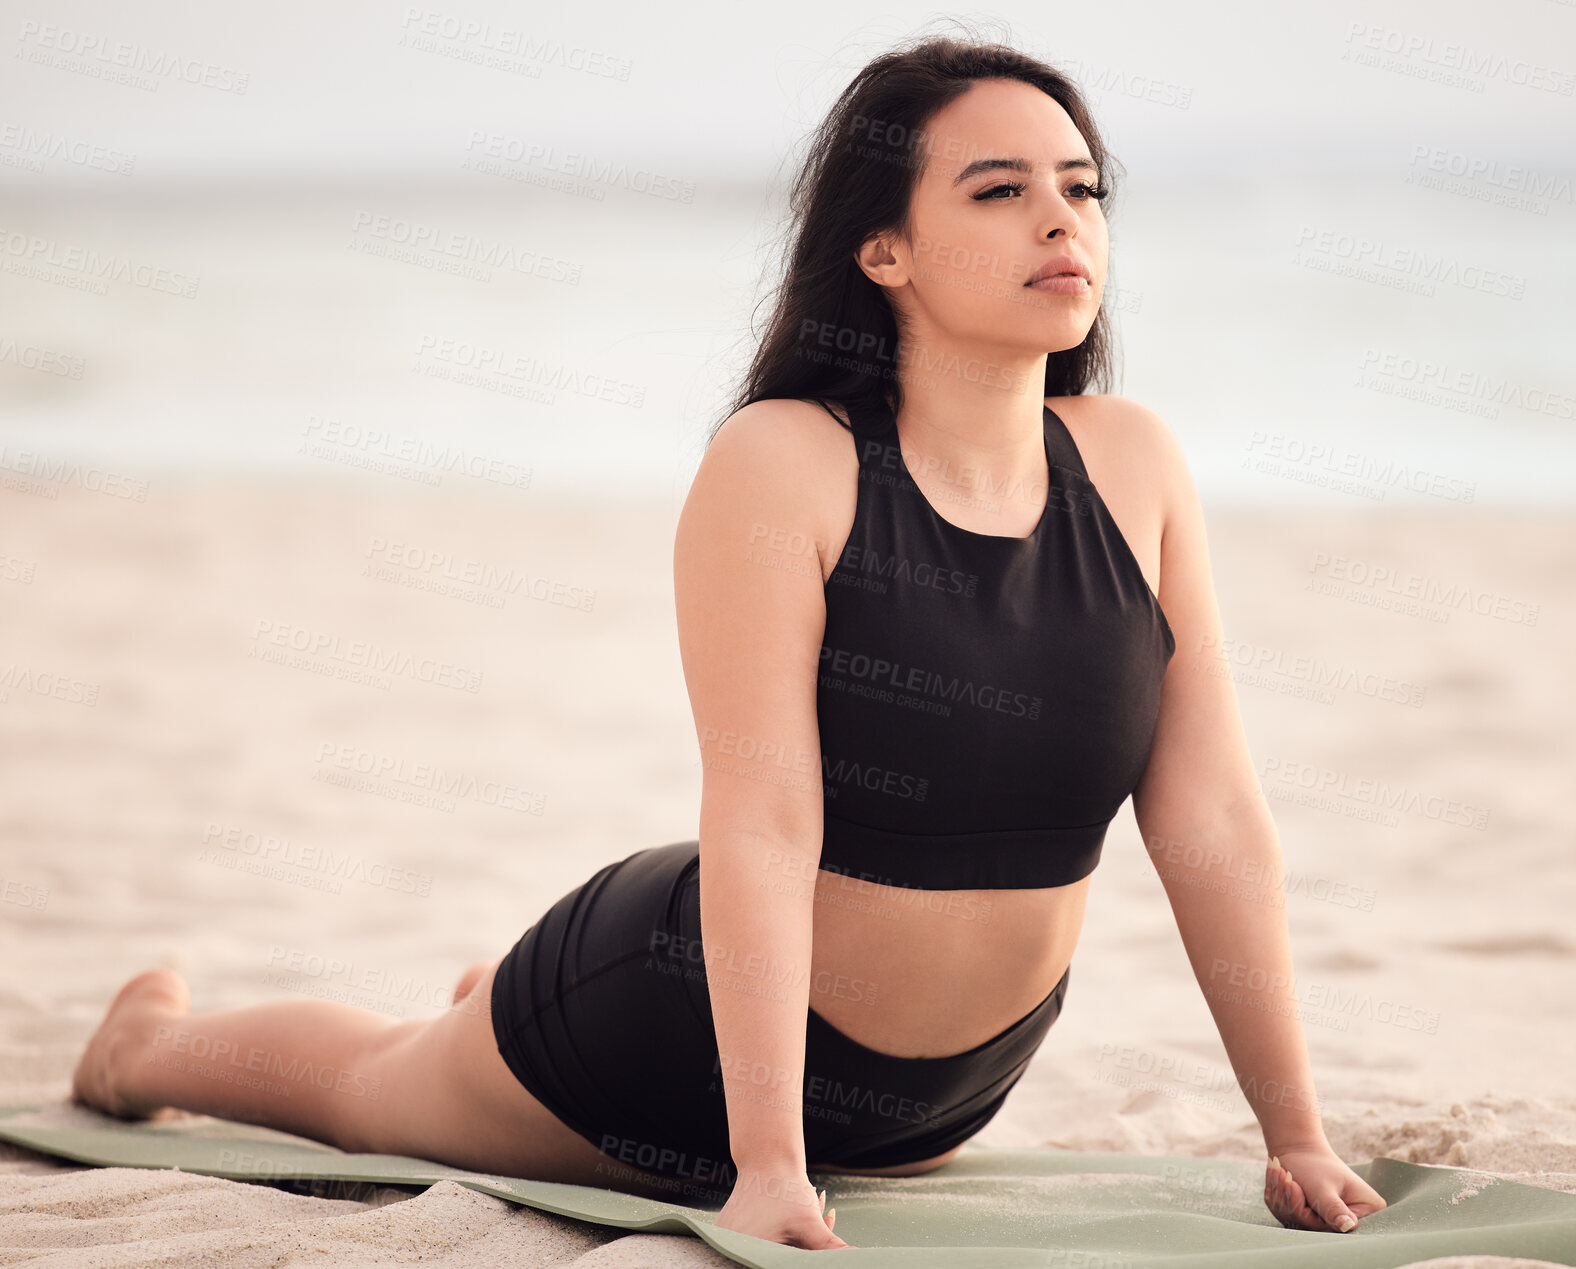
(884, 259)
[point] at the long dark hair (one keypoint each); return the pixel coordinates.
(832, 334)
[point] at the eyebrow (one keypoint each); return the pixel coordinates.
(1019, 165)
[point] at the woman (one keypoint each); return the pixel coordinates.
(918, 579)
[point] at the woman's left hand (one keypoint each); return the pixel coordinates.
(1312, 1189)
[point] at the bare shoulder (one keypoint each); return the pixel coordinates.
(1126, 446)
(1119, 426)
(780, 429)
(780, 462)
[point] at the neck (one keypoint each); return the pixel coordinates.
(966, 420)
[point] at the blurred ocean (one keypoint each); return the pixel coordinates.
(1342, 244)
(1333, 343)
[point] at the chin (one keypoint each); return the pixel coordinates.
(1058, 336)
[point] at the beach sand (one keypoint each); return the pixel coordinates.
(1432, 938)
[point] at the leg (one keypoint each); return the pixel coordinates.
(292, 1065)
(435, 1089)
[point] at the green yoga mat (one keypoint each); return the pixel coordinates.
(995, 1208)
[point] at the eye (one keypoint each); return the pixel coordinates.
(987, 196)
(1081, 191)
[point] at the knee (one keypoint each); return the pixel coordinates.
(363, 1115)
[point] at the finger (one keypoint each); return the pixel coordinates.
(1299, 1215)
(1279, 1181)
(1274, 1193)
(1363, 1199)
(1334, 1213)
(1360, 1207)
(1281, 1208)
(1324, 1212)
(1285, 1199)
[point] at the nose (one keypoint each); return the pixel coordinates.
(1060, 217)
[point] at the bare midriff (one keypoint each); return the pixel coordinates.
(931, 973)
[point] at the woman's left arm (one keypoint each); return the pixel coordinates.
(1208, 829)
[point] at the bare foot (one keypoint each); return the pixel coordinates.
(100, 1080)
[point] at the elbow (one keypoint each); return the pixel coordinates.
(796, 834)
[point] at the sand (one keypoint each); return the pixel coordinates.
(135, 798)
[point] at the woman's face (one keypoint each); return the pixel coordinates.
(979, 228)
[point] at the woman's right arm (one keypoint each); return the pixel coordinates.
(751, 616)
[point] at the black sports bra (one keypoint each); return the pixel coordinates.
(986, 704)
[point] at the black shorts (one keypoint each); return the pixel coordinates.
(601, 1010)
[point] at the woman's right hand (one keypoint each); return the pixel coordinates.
(782, 1206)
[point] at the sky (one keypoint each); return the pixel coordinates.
(721, 92)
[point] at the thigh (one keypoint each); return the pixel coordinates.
(547, 1057)
(595, 1014)
(446, 1094)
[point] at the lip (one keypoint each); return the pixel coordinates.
(1059, 265)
